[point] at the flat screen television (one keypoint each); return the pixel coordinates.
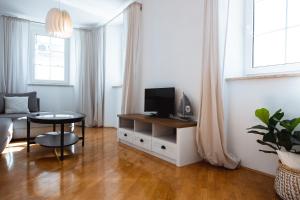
(160, 101)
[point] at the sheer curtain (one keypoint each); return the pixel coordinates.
(87, 70)
(210, 129)
(132, 23)
(14, 58)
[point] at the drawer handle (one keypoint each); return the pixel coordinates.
(163, 147)
(125, 134)
(141, 140)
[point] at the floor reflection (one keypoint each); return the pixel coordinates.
(7, 161)
(14, 147)
(41, 181)
(50, 176)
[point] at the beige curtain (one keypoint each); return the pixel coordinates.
(14, 54)
(87, 74)
(210, 129)
(132, 27)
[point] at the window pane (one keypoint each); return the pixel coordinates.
(49, 58)
(57, 44)
(57, 74)
(57, 59)
(42, 39)
(269, 49)
(269, 15)
(42, 58)
(42, 72)
(293, 44)
(293, 12)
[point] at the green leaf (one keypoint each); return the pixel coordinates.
(267, 144)
(296, 135)
(290, 125)
(263, 114)
(296, 138)
(295, 141)
(265, 151)
(284, 139)
(275, 118)
(256, 132)
(259, 127)
(270, 137)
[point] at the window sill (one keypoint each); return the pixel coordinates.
(117, 86)
(50, 85)
(263, 76)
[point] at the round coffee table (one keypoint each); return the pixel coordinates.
(55, 139)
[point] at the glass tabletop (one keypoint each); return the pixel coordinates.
(56, 115)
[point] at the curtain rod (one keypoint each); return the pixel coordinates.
(141, 7)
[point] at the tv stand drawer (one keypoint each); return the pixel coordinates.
(142, 141)
(126, 135)
(164, 148)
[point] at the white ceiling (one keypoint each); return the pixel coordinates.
(84, 13)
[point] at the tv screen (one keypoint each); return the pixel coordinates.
(160, 100)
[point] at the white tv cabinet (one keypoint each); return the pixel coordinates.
(169, 139)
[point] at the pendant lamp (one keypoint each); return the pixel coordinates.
(59, 23)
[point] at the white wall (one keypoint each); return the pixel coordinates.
(244, 97)
(55, 98)
(171, 57)
(171, 47)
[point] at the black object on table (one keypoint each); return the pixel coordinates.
(55, 139)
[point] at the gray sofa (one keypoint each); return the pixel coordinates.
(18, 121)
(14, 126)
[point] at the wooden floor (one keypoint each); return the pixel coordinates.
(104, 169)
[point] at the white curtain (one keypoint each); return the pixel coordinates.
(14, 58)
(87, 70)
(210, 129)
(132, 23)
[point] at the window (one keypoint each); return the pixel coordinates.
(49, 60)
(275, 35)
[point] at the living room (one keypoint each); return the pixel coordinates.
(149, 99)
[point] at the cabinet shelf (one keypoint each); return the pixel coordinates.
(168, 138)
(147, 133)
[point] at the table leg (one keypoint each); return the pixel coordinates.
(82, 130)
(28, 135)
(62, 129)
(54, 127)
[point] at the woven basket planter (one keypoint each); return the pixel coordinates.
(287, 183)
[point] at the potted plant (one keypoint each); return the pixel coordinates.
(281, 138)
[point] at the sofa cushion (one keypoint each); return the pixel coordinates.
(13, 116)
(14, 105)
(32, 100)
(2, 106)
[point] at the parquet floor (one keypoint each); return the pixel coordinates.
(104, 169)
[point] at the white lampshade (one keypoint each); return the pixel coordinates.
(59, 23)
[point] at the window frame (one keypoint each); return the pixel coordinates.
(249, 9)
(40, 30)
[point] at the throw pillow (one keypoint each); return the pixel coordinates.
(16, 105)
(32, 100)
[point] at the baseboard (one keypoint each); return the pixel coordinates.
(258, 172)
